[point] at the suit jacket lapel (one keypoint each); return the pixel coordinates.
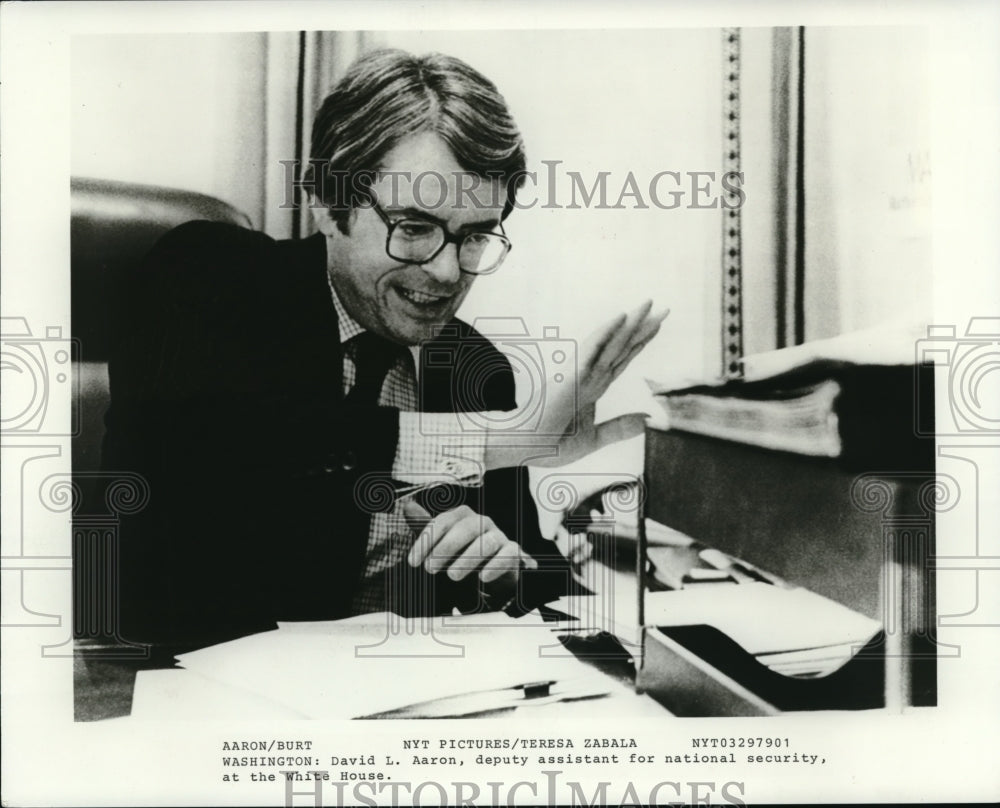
(306, 315)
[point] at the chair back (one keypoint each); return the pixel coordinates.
(113, 225)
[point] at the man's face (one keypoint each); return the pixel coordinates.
(407, 302)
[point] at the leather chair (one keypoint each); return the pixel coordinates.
(113, 225)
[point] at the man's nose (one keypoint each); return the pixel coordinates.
(444, 266)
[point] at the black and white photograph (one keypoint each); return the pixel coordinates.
(424, 405)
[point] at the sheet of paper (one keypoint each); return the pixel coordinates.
(352, 668)
(183, 695)
(761, 617)
(809, 662)
(888, 344)
(375, 619)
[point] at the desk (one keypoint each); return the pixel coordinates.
(102, 684)
(104, 687)
(862, 539)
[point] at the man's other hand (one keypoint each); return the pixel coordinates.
(569, 409)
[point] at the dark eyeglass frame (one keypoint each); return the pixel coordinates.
(449, 238)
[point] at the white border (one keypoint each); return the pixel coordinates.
(947, 754)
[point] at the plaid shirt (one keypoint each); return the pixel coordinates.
(421, 457)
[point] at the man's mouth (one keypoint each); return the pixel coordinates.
(422, 298)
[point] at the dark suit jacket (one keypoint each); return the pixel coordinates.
(227, 396)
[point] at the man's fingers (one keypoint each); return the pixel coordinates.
(634, 351)
(478, 552)
(586, 441)
(585, 418)
(507, 559)
(451, 542)
(462, 541)
(433, 531)
(600, 338)
(623, 335)
(650, 327)
(461, 535)
(621, 428)
(643, 333)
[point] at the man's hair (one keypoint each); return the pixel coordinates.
(390, 94)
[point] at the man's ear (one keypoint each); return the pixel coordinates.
(323, 217)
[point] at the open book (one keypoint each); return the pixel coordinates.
(794, 419)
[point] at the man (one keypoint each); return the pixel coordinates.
(281, 400)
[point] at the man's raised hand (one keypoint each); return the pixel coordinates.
(567, 430)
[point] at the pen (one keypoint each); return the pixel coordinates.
(536, 693)
(407, 491)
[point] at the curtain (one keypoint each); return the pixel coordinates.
(301, 69)
(769, 88)
(835, 234)
(866, 233)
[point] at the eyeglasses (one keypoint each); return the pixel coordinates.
(417, 241)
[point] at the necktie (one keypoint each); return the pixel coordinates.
(374, 356)
(388, 581)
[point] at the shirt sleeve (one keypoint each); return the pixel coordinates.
(439, 447)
